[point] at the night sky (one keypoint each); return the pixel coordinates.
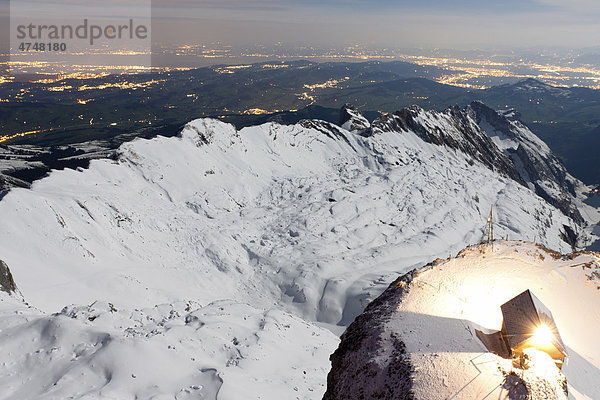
(435, 23)
(460, 24)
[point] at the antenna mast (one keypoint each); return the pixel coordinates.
(490, 228)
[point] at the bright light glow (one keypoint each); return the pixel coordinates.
(540, 366)
(543, 335)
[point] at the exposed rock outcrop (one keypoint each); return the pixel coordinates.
(7, 283)
(355, 374)
(7, 182)
(352, 120)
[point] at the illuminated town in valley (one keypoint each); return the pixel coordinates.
(477, 71)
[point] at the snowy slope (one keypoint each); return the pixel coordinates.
(309, 219)
(430, 317)
(170, 351)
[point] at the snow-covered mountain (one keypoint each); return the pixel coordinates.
(225, 261)
(419, 340)
(498, 140)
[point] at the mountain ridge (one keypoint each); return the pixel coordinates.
(530, 163)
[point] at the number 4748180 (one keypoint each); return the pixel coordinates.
(37, 46)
